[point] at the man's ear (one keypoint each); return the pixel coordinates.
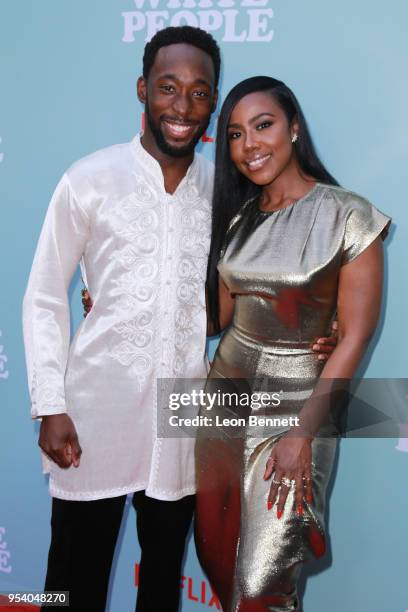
(214, 102)
(141, 89)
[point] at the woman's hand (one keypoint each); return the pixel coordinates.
(290, 460)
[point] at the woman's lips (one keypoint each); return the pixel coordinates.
(258, 162)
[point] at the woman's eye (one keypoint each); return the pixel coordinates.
(233, 135)
(263, 125)
(201, 94)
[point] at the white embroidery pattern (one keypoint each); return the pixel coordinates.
(194, 246)
(46, 391)
(135, 223)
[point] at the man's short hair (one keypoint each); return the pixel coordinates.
(182, 34)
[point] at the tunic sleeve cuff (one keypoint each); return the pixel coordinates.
(38, 413)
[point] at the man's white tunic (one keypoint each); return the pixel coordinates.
(145, 257)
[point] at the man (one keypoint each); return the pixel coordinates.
(138, 215)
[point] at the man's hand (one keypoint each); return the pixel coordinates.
(59, 440)
(86, 301)
(326, 346)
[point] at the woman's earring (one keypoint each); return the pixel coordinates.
(294, 138)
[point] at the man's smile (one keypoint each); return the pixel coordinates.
(179, 129)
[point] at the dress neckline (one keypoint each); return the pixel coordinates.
(289, 206)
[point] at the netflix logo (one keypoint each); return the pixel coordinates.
(194, 590)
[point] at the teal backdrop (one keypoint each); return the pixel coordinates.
(68, 70)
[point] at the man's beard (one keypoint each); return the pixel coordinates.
(162, 143)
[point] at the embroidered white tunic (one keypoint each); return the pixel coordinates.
(145, 255)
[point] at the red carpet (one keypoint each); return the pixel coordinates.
(16, 607)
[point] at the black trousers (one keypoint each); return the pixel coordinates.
(83, 539)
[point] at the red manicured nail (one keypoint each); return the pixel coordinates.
(300, 509)
(269, 505)
(309, 498)
(279, 513)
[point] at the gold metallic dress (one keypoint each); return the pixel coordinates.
(285, 279)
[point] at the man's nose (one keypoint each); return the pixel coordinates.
(182, 104)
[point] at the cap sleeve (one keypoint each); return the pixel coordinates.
(364, 224)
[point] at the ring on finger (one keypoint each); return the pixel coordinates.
(307, 479)
(287, 482)
(276, 482)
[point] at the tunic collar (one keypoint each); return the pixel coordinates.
(153, 166)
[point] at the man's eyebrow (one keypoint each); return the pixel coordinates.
(168, 75)
(203, 82)
(252, 120)
(174, 77)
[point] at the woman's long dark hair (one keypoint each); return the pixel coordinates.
(232, 189)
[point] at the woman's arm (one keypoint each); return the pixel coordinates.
(358, 305)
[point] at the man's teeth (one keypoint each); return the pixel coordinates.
(180, 129)
(256, 163)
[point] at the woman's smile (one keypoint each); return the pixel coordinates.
(257, 162)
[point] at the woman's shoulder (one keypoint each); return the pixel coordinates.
(345, 198)
(362, 221)
(355, 208)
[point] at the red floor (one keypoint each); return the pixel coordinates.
(16, 607)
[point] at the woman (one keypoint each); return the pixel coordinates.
(289, 249)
